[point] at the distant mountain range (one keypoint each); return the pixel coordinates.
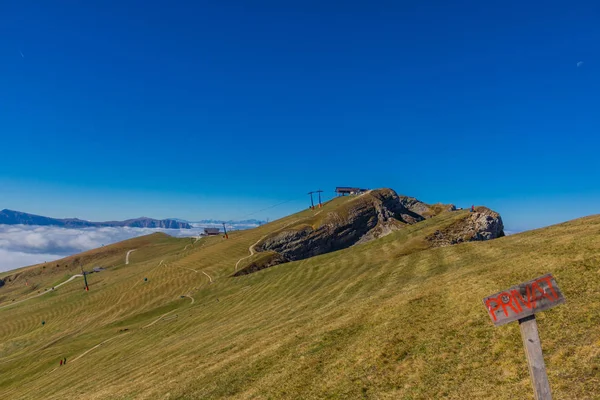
(10, 217)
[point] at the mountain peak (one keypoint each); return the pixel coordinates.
(353, 220)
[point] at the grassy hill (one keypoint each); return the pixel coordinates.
(392, 318)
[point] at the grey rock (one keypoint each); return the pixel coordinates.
(376, 214)
(483, 224)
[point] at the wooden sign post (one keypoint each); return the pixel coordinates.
(520, 303)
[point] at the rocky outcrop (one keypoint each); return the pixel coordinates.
(10, 217)
(373, 215)
(414, 205)
(369, 216)
(483, 224)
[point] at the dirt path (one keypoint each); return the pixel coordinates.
(189, 269)
(43, 293)
(159, 318)
(120, 335)
(96, 346)
(251, 248)
(127, 256)
(209, 278)
(114, 337)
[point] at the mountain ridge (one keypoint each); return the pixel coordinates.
(361, 219)
(12, 217)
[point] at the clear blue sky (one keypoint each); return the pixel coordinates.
(218, 109)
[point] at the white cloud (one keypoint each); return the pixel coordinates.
(15, 259)
(579, 63)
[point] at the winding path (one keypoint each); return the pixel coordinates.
(191, 269)
(209, 278)
(251, 248)
(159, 318)
(68, 280)
(43, 293)
(120, 335)
(114, 337)
(127, 256)
(96, 346)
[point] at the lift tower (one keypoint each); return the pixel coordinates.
(225, 230)
(320, 191)
(312, 203)
(87, 288)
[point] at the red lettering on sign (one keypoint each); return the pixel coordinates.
(508, 303)
(496, 307)
(535, 287)
(517, 296)
(549, 282)
(523, 300)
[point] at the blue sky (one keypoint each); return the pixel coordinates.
(112, 110)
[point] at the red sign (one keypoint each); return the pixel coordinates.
(523, 300)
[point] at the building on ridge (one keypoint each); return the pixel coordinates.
(211, 231)
(346, 190)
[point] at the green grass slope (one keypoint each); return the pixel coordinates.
(392, 318)
(28, 281)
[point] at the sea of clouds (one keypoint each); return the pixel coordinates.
(22, 245)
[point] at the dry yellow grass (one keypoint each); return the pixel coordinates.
(387, 319)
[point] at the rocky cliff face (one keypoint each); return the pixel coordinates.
(414, 205)
(373, 215)
(366, 217)
(483, 224)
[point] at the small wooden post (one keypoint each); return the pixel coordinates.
(535, 358)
